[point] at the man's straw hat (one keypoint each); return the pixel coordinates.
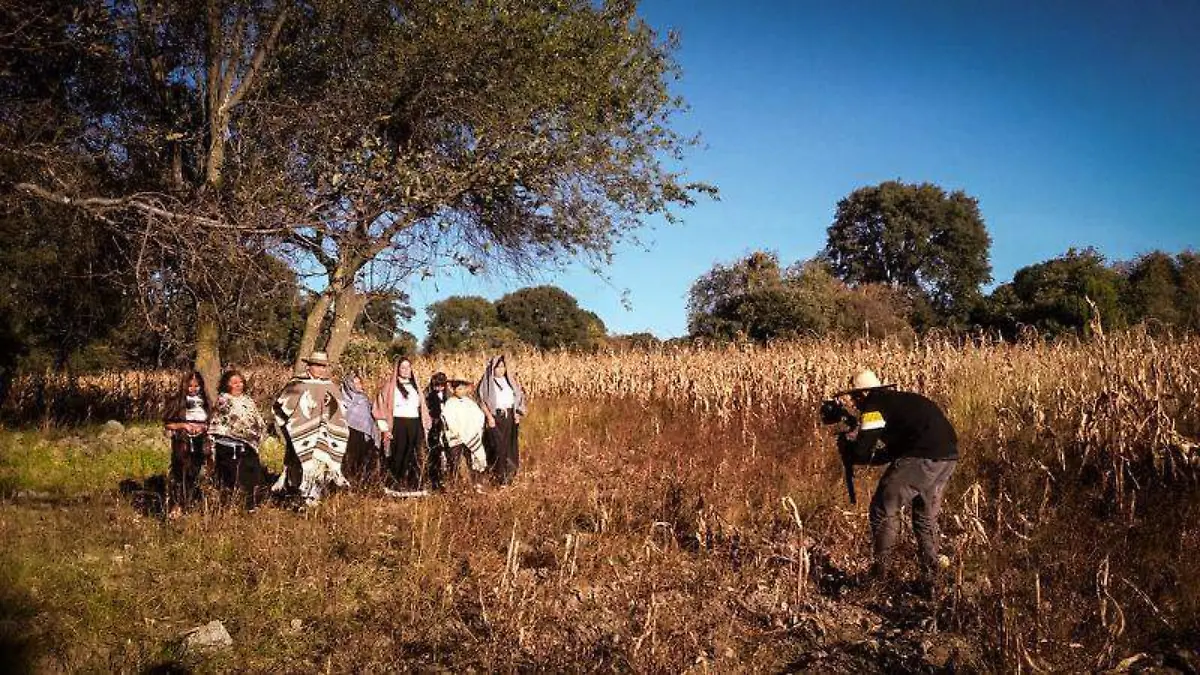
(864, 380)
(317, 358)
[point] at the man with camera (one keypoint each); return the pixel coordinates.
(919, 446)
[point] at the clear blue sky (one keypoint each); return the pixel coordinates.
(1073, 123)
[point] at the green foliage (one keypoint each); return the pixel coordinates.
(914, 237)
(381, 317)
(494, 339)
(545, 317)
(1053, 296)
(1154, 289)
(459, 321)
(633, 341)
(548, 317)
(1189, 290)
(402, 134)
(754, 298)
(61, 293)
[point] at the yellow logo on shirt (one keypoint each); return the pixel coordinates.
(872, 420)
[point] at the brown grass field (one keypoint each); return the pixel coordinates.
(677, 510)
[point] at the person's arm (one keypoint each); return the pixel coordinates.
(520, 406)
(489, 419)
(860, 447)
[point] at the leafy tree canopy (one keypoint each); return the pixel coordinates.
(548, 317)
(458, 322)
(916, 237)
(755, 298)
(1064, 294)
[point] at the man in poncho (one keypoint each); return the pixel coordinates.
(309, 414)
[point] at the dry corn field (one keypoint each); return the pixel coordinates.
(678, 510)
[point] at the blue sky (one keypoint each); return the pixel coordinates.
(1073, 123)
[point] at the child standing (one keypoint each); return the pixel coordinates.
(186, 421)
(462, 428)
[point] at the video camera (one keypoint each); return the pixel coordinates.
(833, 412)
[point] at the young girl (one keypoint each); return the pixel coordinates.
(186, 420)
(503, 402)
(403, 418)
(236, 430)
(363, 464)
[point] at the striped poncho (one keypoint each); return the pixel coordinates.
(309, 412)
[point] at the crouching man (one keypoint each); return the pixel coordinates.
(920, 447)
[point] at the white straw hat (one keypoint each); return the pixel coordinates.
(864, 380)
(317, 359)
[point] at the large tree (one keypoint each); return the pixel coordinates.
(914, 237)
(473, 134)
(370, 138)
(129, 112)
(1154, 289)
(548, 317)
(1189, 290)
(458, 321)
(1064, 294)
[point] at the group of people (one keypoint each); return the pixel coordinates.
(405, 439)
(408, 437)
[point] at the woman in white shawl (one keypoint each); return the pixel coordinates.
(503, 402)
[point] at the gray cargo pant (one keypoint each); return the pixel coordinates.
(919, 482)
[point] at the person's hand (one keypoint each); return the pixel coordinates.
(517, 417)
(195, 428)
(491, 422)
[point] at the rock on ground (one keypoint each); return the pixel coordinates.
(211, 636)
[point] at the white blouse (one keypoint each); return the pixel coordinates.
(406, 407)
(194, 412)
(505, 399)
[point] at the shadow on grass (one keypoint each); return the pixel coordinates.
(19, 638)
(150, 496)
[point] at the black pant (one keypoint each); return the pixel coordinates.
(500, 444)
(187, 459)
(406, 452)
(445, 471)
(438, 462)
(238, 468)
(363, 463)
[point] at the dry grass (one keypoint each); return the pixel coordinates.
(678, 510)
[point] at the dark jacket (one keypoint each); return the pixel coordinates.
(908, 425)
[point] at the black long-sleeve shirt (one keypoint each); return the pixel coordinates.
(908, 424)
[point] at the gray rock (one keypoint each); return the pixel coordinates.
(209, 637)
(113, 427)
(33, 495)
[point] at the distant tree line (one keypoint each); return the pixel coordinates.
(545, 317)
(907, 258)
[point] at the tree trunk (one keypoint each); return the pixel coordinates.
(348, 305)
(208, 341)
(312, 329)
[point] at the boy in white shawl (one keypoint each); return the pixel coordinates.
(309, 413)
(462, 427)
